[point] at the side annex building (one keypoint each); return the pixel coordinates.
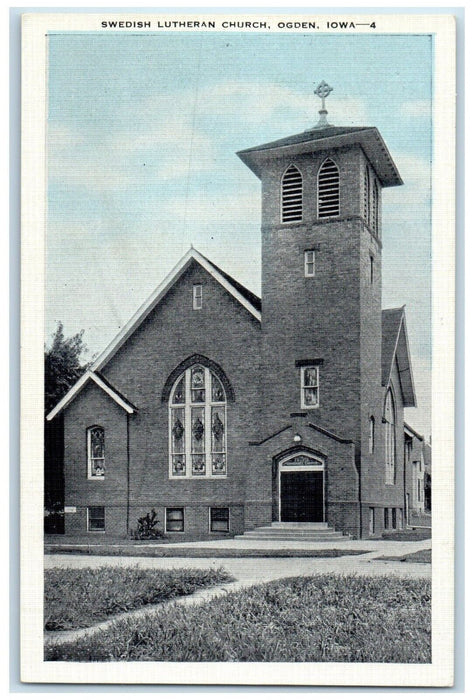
(249, 411)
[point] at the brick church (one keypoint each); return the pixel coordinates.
(251, 412)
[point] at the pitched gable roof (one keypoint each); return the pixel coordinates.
(246, 293)
(395, 349)
(244, 296)
(102, 383)
(247, 299)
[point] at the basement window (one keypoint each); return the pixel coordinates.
(328, 189)
(291, 195)
(175, 520)
(219, 519)
(96, 519)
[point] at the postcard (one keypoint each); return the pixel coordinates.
(237, 424)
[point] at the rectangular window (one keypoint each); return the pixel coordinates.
(386, 522)
(419, 490)
(197, 296)
(219, 519)
(371, 521)
(175, 520)
(96, 519)
(371, 274)
(309, 387)
(309, 263)
(394, 518)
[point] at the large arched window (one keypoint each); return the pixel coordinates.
(291, 195)
(95, 452)
(389, 419)
(328, 189)
(197, 424)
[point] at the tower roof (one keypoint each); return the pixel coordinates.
(319, 139)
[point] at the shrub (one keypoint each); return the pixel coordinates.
(148, 527)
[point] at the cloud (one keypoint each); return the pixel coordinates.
(166, 138)
(416, 108)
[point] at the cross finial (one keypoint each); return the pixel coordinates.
(323, 90)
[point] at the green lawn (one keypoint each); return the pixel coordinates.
(201, 552)
(318, 618)
(420, 533)
(75, 598)
(423, 556)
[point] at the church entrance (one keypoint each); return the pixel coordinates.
(301, 489)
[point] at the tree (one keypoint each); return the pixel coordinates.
(62, 365)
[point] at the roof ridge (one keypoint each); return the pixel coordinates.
(251, 296)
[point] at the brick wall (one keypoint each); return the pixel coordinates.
(224, 332)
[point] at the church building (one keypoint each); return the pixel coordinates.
(252, 412)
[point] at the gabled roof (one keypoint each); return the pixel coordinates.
(367, 137)
(249, 301)
(396, 352)
(412, 432)
(102, 383)
(246, 293)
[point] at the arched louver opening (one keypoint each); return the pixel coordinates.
(328, 189)
(291, 195)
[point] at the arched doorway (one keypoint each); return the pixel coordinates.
(301, 488)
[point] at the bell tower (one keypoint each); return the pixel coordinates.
(321, 273)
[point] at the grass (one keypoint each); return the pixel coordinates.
(320, 618)
(200, 552)
(76, 598)
(423, 556)
(421, 533)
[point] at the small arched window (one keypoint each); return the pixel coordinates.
(366, 194)
(291, 195)
(375, 208)
(371, 435)
(389, 420)
(95, 452)
(328, 189)
(197, 424)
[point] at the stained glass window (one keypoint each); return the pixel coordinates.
(96, 452)
(198, 424)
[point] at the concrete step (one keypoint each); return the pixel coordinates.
(285, 537)
(294, 532)
(295, 526)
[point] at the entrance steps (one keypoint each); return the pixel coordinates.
(294, 532)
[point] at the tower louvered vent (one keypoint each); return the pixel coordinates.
(292, 195)
(328, 189)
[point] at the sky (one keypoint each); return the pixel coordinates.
(142, 135)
